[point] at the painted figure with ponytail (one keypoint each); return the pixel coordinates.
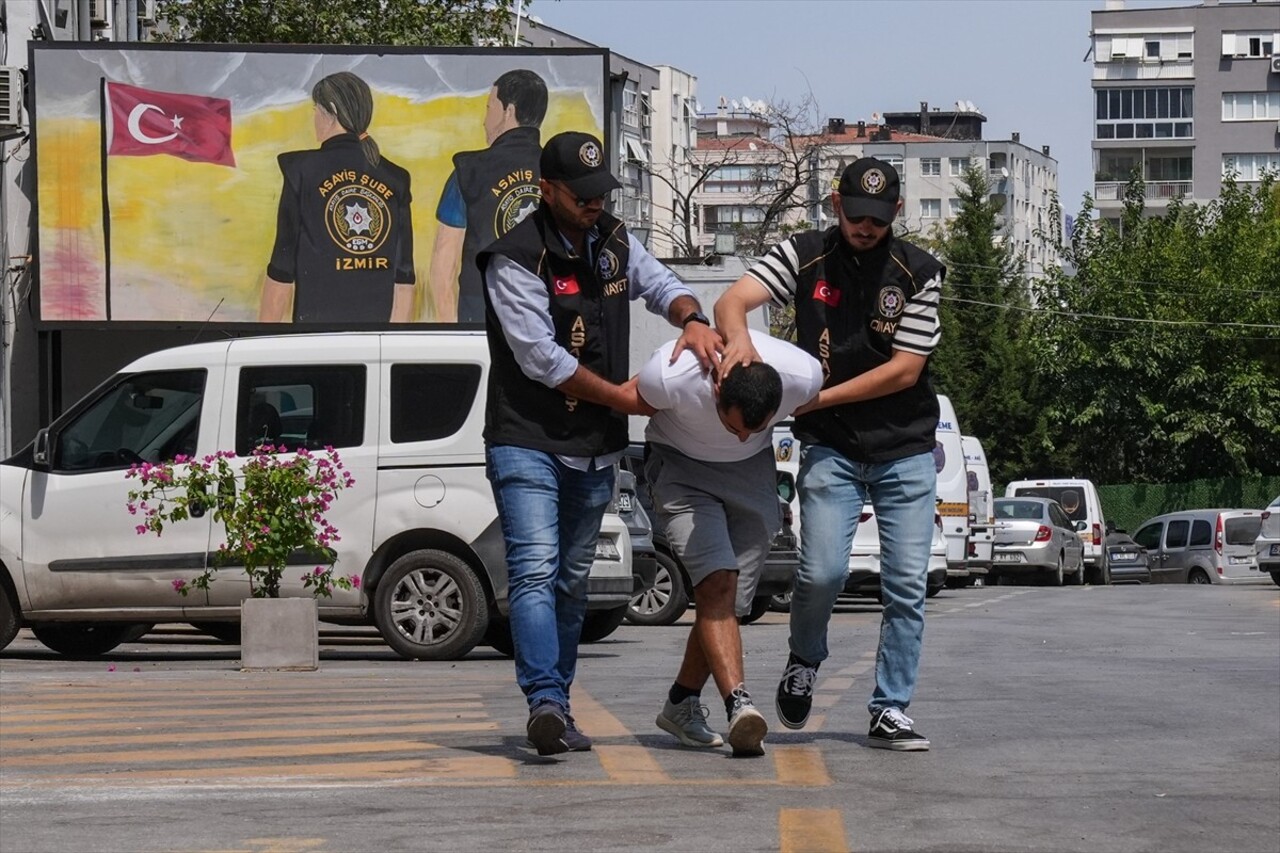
(344, 239)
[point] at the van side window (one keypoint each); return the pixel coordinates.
(1201, 534)
(145, 417)
(1176, 537)
(431, 401)
(311, 406)
(1149, 537)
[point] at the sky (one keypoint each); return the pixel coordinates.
(1021, 62)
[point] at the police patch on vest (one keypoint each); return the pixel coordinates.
(358, 219)
(891, 302)
(608, 265)
(516, 203)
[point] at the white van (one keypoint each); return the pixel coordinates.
(981, 508)
(404, 409)
(1079, 499)
(1203, 546)
(953, 491)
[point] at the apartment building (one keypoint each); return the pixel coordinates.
(675, 137)
(1184, 95)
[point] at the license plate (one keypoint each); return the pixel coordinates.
(1240, 561)
(606, 550)
(1007, 558)
(1123, 558)
(1275, 550)
(624, 502)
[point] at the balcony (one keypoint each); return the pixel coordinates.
(1153, 190)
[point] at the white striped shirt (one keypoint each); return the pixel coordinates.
(918, 331)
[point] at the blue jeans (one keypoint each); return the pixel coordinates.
(550, 516)
(833, 490)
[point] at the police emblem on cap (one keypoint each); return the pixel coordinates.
(608, 264)
(892, 301)
(873, 181)
(589, 154)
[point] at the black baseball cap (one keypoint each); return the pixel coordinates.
(577, 160)
(869, 187)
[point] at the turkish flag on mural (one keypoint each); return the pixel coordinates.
(193, 127)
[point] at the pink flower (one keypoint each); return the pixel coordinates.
(179, 584)
(141, 528)
(355, 581)
(318, 571)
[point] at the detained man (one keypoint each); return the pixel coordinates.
(710, 468)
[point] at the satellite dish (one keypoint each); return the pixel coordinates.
(959, 106)
(697, 106)
(875, 118)
(1004, 173)
(752, 146)
(734, 103)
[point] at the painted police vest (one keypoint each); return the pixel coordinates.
(500, 188)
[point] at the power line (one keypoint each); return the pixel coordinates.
(1113, 318)
(1130, 332)
(1182, 286)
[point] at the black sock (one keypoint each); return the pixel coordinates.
(738, 691)
(678, 693)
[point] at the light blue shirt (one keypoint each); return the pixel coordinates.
(523, 306)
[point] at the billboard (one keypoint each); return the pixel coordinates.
(324, 186)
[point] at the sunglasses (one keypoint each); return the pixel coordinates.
(858, 220)
(578, 200)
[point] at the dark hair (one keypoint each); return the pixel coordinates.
(349, 100)
(755, 390)
(527, 91)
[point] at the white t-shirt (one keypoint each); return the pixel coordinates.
(686, 403)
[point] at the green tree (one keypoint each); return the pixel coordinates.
(1163, 345)
(984, 361)
(394, 22)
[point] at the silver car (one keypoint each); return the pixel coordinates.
(1035, 536)
(1267, 545)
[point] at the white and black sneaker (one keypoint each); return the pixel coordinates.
(747, 727)
(892, 729)
(795, 693)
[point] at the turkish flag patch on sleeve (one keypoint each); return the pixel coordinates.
(824, 292)
(567, 286)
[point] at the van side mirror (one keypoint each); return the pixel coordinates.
(40, 448)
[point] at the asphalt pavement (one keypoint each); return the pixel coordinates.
(1073, 719)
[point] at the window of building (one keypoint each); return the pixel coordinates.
(930, 208)
(953, 207)
(1250, 106)
(1153, 112)
(1250, 44)
(1250, 167)
(1168, 169)
(958, 165)
(931, 166)
(1153, 47)
(631, 106)
(895, 161)
(728, 215)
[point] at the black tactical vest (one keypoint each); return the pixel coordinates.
(500, 187)
(848, 305)
(591, 314)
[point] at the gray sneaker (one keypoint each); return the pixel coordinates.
(687, 720)
(747, 727)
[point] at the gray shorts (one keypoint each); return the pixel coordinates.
(717, 515)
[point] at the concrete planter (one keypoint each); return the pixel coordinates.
(279, 634)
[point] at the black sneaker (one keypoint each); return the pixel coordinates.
(573, 736)
(795, 693)
(892, 729)
(546, 727)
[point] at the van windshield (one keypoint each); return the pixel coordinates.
(1242, 531)
(1069, 498)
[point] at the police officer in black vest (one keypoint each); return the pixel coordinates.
(558, 292)
(866, 307)
(488, 193)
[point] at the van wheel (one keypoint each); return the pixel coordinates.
(598, 624)
(1198, 576)
(664, 602)
(1275, 578)
(9, 611)
(83, 639)
(1078, 577)
(430, 606)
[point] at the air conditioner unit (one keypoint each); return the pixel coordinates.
(1275, 63)
(147, 12)
(10, 96)
(99, 13)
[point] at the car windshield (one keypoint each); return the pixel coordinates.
(1030, 510)
(1242, 531)
(1069, 497)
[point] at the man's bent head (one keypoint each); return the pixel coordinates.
(749, 397)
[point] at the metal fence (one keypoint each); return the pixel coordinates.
(1131, 504)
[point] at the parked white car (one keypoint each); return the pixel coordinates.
(1267, 545)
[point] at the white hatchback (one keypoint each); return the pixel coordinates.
(1267, 545)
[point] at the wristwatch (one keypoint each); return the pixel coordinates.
(694, 317)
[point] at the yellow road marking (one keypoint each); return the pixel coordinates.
(837, 684)
(147, 690)
(216, 726)
(631, 765)
(800, 765)
(216, 753)
(594, 718)
(295, 709)
(811, 831)
(185, 735)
